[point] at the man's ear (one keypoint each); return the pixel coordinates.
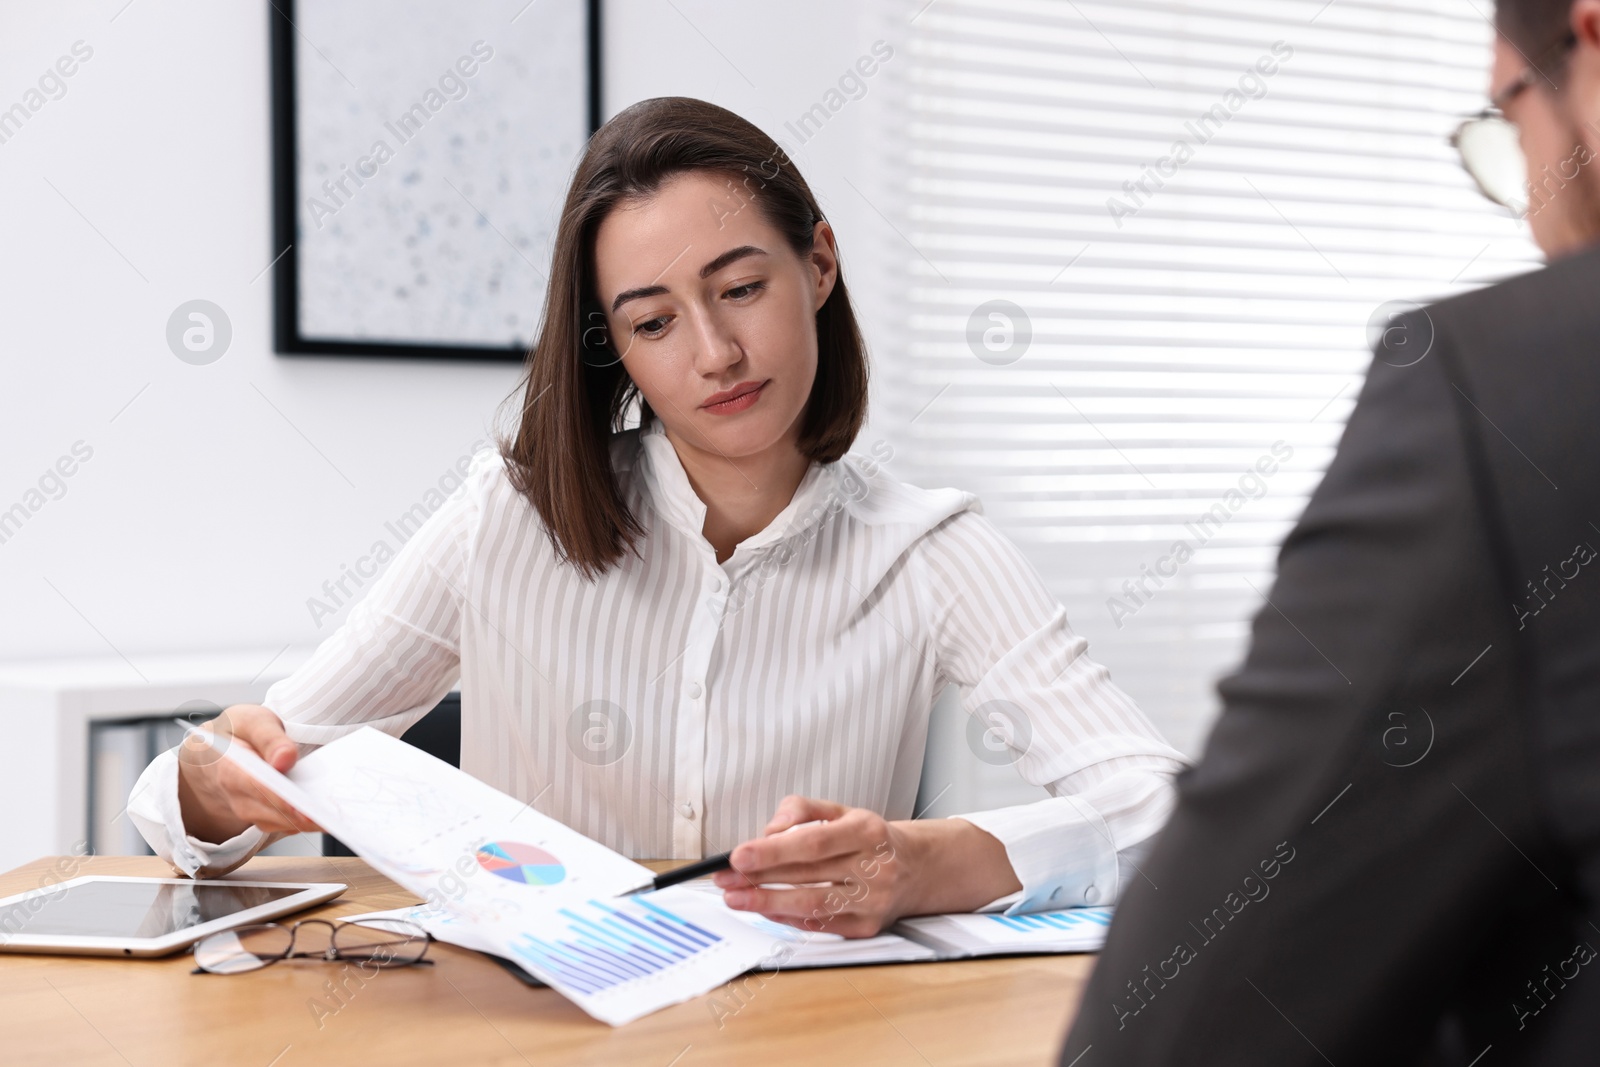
(1584, 22)
(1582, 74)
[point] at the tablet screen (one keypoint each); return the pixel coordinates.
(131, 909)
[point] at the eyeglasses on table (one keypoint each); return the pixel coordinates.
(374, 942)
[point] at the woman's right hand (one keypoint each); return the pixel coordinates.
(216, 797)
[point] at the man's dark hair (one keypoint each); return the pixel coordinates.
(1539, 29)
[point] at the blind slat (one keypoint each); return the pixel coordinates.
(1197, 354)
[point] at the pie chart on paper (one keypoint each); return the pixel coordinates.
(517, 862)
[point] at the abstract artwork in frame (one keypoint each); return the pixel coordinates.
(421, 151)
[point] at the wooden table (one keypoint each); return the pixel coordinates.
(57, 1010)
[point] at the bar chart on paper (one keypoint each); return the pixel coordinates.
(1074, 919)
(1067, 930)
(608, 943)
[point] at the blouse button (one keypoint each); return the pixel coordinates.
(687, 809)
(694, 690)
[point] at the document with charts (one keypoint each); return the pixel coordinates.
(920, 939)
(926, 938)
(503, 878)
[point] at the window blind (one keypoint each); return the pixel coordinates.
(1142, 249)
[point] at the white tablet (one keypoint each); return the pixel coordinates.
(106, 915)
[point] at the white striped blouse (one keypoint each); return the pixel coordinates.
(666, 708)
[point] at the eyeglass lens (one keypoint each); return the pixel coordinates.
(1492, 153)
(383, 943)
(244, 949)
(388, 943)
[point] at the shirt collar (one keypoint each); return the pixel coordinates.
(674, 498)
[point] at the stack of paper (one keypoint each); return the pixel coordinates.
(500, 877)
(928, 937)
(794, 948)
(923, 939)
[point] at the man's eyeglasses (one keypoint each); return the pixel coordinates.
(1489, 146)
(373, 942)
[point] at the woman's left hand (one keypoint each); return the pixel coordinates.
(850, 872)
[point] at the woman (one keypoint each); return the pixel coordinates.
(714, 627)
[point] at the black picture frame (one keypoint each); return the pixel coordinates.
(287, 338)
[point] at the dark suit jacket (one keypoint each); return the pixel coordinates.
(1390, 850)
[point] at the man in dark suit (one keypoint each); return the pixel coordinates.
(1390, 851)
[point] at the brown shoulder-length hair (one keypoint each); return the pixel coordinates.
(576, 394)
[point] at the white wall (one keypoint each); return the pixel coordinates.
(219, 498)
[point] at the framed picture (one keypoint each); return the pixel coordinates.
(421, 152)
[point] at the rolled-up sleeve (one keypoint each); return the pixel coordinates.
(153, 807)
(1050, 710)
(394, 658)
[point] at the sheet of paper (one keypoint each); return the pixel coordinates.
(618, 958)
(790, 948)
(1068, 930)
(458, 842)
(513, 881)
(627, 956)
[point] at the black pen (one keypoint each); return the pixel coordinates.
(685, 873)
(695, 870)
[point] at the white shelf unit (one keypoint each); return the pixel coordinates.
(47, 709)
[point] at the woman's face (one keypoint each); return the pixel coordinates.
(712, 312)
